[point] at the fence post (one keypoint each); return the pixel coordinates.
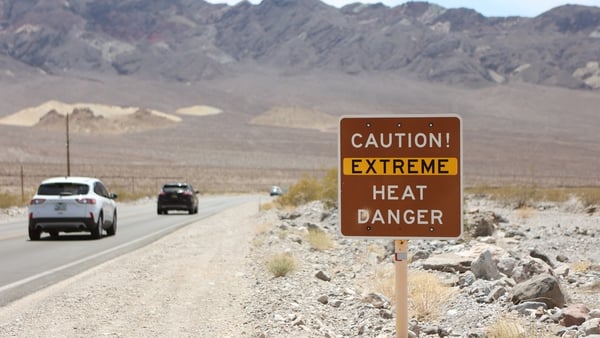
(22, 186)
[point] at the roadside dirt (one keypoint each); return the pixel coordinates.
(188, 284)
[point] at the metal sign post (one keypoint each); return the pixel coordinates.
(400, 177)
(401, 287)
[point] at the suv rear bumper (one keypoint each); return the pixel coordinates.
(62, 224)
(175, 204)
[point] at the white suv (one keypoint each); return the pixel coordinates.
(72, 204)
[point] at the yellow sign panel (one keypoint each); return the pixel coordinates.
(399, 166)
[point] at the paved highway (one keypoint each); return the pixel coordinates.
(27, 266)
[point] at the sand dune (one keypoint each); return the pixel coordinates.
(29, 117)
(199, 111)
(296, 117)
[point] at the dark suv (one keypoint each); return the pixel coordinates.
(177, 196)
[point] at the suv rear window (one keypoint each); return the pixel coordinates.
(174, 187)
(63, 189)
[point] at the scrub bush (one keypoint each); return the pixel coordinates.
(309, 189)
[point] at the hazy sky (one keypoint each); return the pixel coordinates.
(486, 7)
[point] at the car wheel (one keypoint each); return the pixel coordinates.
(34, 234)
(97, 231)
(113, 227)
(54, 234)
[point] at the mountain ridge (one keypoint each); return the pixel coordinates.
(190, 41)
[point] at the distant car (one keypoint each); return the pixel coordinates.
(177, 196)
(72, 204)
(276, 191)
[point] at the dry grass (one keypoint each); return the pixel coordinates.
(427, 295)
(281, 264)
(8, 200)
(383, 281)
(525, 195)
(581, 267)
(260, 234)
(589, 196)
(310, 188)
(128, 195)
(305, 190)
(507, 327)
(319, 239)
(266, 206)
(525, 212)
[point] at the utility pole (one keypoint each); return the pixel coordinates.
(68, 151)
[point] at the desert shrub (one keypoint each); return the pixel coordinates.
(306, 190)
(282, 234)
(8, 200)
(383, 281)
(519, 196)
(281, 264)
(506, 328)
(266, 206)
(589, 196)
(526, 212)
(509, 326)
(309, 189)
(125, 195)
(330, 188)
(319, 239)
(261, 233)
(581, 266)
(427, 294)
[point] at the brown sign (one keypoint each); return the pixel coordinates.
(400, 176)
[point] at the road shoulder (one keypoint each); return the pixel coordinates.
(190, 283)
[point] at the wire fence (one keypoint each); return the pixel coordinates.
(26, 184)
(24, 178)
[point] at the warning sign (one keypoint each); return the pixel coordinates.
(400, 176)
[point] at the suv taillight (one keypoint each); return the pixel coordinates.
(86, 201)
(37, 201)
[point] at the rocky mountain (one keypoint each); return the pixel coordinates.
(192, 40)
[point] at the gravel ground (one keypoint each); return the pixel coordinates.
(187, 284)
(199, 283)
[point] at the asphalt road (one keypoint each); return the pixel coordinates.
(27, 266)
